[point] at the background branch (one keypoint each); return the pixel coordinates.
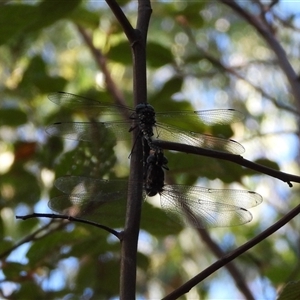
(274, 44)
(232, 255)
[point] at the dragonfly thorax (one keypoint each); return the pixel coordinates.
(146, 119)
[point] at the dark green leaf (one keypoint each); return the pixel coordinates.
(48, 248)
(102, 275)
(13, 269)
(170, 87)
(49, 11)
(268, 163)
(156, 222)
(187, 168)
(27, 18)
(143, 261)
(21, 186)
(28, 290)
(36, 75)
(22, 16)
(85, 17)
(121, 53)
(192, 15)
(158, 55)
(12, 117)
(5, 244)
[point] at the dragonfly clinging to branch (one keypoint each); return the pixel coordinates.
(99, 200)
(147, 121)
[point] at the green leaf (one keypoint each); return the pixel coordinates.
(28, 18)
(49, 11)
(291, 291)
(12, 269)
(25, 226)
(158, 55)
(28, 290)
(22, 15)
(5, 244)
(170, 87)
(12, 117)
(143, 261)
(85, 17)
(101, 274)
(268, 163)
(36, 75)
(156, 222)
(47, 249)
(192, 15)
(28, 193)
(121, 53)
(186, 168)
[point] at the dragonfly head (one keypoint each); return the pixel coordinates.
(145, 109)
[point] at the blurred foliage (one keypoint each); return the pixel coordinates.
(200, 56)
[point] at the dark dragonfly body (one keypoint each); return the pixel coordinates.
(154, 177)
(147, 121)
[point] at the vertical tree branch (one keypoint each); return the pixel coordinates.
(135, 191)
(137, 39)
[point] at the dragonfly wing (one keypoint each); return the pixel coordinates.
(240, 198)
(74, 102)
(81, 184)
(89, 131)
(172, 134)
(90, 198)
(196, 209)
(83, 207)
(207, 117)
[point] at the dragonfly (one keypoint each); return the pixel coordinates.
(149, 122)
(96, 199)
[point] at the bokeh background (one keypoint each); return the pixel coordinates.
(201, 55)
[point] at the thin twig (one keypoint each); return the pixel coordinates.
(101, 61)
(117, 234)
(185, 288)
(274, 44)
(231, 70)
(238, 159)
(31, 237)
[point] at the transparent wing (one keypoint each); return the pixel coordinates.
(201, 207)
(207, 117)
(79, 102)
(88, 131)
(90, 198)
(173, 134)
